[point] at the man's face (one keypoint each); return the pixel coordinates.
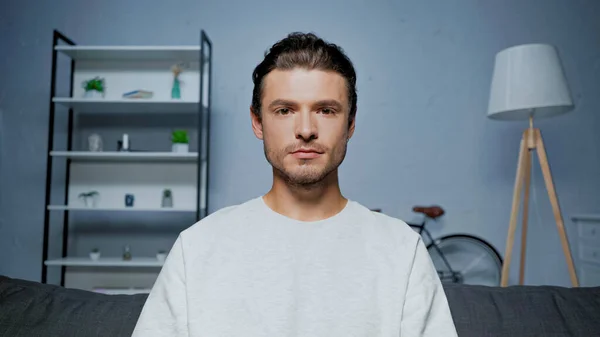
(304, 124)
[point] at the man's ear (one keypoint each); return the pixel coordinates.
(256, 124)
(351, 127)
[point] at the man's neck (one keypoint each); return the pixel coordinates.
(308, 203)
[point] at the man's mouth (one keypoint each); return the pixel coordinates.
(306, 153)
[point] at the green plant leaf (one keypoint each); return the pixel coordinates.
(179, 136)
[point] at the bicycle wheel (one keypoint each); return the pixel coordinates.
(466, 259)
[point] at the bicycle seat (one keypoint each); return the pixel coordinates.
(430, 211)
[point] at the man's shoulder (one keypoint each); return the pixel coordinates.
(387, 224)
(223, 216)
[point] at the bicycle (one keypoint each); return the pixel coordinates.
(460, 258)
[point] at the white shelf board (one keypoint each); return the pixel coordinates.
(105, 262)
(122, 291)
(586, 217)
(132, 53)
(117, 209)
(127, 156)
(128, 105)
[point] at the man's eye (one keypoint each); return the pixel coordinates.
(326, 111)
(283, 111)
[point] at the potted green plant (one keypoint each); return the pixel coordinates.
(167, 198)
(180, 141)
(161, 255)
(95, 254)
(94, 88)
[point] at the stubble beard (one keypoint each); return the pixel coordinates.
(308, 175)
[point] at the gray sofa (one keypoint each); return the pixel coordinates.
(35, 310)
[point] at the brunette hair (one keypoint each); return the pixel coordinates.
(304, 50)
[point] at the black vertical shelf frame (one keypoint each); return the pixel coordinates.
(204, 120)
(204, 111)
(56, 39)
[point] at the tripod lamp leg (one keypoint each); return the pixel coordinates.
(555, 207)
(514, 212)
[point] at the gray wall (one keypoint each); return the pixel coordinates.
(422, 136)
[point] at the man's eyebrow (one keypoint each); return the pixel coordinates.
(330, 102)
(326, 102)
(280, 101)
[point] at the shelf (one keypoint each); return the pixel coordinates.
(122, 291)
(132, 53)
(127, 156)
(127, 105)
(117, 209)
(105, 262)
(149, 174)
(586, 217)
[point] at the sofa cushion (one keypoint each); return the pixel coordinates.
(524, 311)
(32, 309)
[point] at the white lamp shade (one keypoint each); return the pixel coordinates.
(528, 80)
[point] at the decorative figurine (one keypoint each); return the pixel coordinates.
(175, 90)
(126, 253)
(94, 88)
(129, 199)
(167, 198)
(95, 143)
(124, 145)
(92, 194)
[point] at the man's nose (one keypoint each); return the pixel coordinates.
(306, 127)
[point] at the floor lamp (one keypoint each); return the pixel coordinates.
(529, 83)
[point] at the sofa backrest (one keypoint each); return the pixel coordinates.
(34, 309)
(480, 311)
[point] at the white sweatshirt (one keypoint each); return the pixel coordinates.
(248, 271)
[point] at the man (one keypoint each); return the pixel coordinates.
(301, 260)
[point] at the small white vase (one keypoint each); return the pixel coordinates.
(94, 256)
(180, 148)
(93, 94)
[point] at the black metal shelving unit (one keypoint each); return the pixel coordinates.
(204, 111)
